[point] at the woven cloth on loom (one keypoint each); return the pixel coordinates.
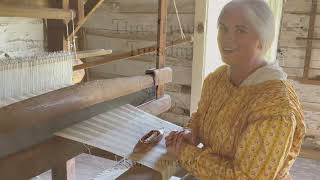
(118, 131)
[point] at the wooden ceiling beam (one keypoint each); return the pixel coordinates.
(43, 13)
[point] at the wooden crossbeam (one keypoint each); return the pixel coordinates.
(92, 53)
(310, 81)
(43, 13)
(305, 81)
(89, 5)
(304, 38)
(88, 9)
(300, 12)
(126, 55)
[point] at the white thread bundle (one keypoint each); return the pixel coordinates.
(124, 165)
(115, 171)
(35, 73)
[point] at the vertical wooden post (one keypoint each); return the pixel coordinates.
(199, 53)
(82, 41)
(162, 38)
(312, 22)
(57, 41)
(65, 5)
(79, 7)
(64, 171)
(56, 32)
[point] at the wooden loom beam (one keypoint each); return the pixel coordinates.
(43, 13)
(57, 151)
(92, 53)
(33, 120)
(157, 106)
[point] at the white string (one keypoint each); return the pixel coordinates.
(87, 148)
(116, 170)
(42, 71)
(73, 36)
(68, 39)
(178, 17)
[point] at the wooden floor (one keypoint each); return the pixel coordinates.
(306, 169)
(88, 166)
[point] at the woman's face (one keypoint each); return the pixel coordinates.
(238, 40)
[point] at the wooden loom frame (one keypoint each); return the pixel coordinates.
(58, 153)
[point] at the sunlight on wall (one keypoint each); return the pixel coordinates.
(276, 7)
(212, 57)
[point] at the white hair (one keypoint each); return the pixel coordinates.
(260, 15)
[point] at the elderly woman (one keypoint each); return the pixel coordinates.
(249, 119)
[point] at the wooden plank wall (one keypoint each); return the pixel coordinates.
(20, 36)
(291, 54)
(123, 25)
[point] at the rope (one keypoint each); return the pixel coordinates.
(68, 40)
(73, 36)
(178, 18)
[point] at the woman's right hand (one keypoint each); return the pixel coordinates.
(187, 135)
(190, 137)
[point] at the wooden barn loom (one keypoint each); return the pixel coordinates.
(31, 136)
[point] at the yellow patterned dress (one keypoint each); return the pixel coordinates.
(253, 131)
